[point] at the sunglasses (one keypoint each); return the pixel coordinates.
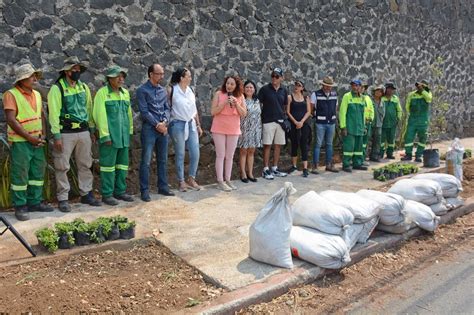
(275, 76)
(299, 84)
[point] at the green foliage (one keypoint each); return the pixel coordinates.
(48, 238)
(467, 153)
(126, 225)
(118, 219)
(382, 173)
(105, 223)
(66, 228)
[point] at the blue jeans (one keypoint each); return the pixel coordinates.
(324, 132)
(176, 130)
(153, 140)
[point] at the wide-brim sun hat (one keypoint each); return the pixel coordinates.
(71, 62)
(328, 81)
(378, 87)
(25, 71)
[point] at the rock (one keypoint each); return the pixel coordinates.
(13, 14)
(24, 39)
(88, 39)
(41, 23)
(116, 44)
(101, 4)
(51, 43)
(135, 14)
(77, 19)
(48, 7)
(158, 44)
(124, 3)
(79, 3)
(102, 23)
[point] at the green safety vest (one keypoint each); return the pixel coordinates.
(393, 111)
(112, 114)
(418, 107)
(29, 119)
(352, 114)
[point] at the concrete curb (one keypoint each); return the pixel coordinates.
(276, 285)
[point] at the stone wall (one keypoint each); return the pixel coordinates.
(393, 40)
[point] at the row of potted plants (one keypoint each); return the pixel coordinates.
(394, 170)
(65, 235)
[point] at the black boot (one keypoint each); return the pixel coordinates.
(407, 157)
(21, 213)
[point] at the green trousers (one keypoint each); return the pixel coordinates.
(376, 138)
(412, 132)
(113, 170)
(28, 164)
(352, 151)
(365, 139)
(388, 141)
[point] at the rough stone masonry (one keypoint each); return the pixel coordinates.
(380, 40)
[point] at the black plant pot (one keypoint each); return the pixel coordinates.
(431, 158)
(376, 174)
(63, 242)
(100, 236)
(128, 233)
(82, 238)
(393, 175)
(114, 233)
(400, 173)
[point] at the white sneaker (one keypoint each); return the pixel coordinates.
(223, 186)
(232, 186)
(277, 173)
(267, 174)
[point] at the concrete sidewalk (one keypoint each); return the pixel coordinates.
(209, 229)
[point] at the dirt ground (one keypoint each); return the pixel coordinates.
(377, 274)
(146, 278)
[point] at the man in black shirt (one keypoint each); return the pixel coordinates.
(274, 99)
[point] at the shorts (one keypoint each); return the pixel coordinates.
(273, 133)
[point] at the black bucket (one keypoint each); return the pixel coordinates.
(431, 158)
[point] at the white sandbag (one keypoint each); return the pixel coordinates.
(450, 185)
(359, 232)
(312, 210)
(398, 228)
(392, 205)
(269, 235)
(324, 250)
(369, 227)
(425, 191)
(454, 203)
(352, 234)
(362, 208)
(440, 208)
(421, 215)
(454, 158)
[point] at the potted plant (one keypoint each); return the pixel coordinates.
(377, 172)
(65, 232)
(48, 238)
(96, 232)
(82, 233)
(127, 230)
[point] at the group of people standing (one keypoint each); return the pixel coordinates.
(242, 118)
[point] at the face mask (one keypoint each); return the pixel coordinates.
(75, 75)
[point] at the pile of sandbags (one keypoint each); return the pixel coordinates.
(421, 215)
(391, 205)
(362, 208)
(313, 211)
(450, 186)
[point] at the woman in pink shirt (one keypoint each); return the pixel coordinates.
(228, 105)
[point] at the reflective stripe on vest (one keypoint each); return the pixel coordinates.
(325, 112)
(26, 116)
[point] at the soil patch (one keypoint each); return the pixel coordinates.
(146, 278)
(468, 182)
(373, 276)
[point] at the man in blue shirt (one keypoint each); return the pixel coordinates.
(155, 113)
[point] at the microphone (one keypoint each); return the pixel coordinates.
(229, 94)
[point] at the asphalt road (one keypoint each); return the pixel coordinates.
(445, 287)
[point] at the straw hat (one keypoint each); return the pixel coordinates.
(25, 71)
(328, 81)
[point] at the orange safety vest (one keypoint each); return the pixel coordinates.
(29, 119)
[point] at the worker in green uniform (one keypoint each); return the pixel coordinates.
(418, 109)
(70, 117)
(379, 113)
(352, 124)
(369, 118)
(393, 114)
(114, 121)
(26, 132)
